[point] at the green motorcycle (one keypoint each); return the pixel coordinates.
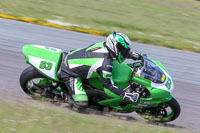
(147, 77)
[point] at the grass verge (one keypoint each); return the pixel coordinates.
(21, 118)
(171, 23)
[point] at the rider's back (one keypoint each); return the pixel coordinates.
(86, 61)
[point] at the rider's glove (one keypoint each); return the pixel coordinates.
(135, 56)
(133, 97)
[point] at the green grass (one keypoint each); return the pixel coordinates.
(169, 23)
(21, 118)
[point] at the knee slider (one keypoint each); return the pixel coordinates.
(82, 104)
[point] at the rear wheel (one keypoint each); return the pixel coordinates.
(164, 112)
(36, 85)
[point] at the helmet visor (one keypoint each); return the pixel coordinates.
(123, 50)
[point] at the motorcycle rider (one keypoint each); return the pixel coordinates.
(96, 61)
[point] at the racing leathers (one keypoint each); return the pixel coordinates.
(85, 63)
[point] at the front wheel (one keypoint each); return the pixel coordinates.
(164, 112)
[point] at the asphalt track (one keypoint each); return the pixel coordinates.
(183, 66)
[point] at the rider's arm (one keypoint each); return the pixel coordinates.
(105, 73)
(106, 76)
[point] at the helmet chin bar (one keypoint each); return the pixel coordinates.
(120, 58)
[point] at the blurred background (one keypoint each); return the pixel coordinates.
(169, 23)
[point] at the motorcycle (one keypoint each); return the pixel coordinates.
(146, 77)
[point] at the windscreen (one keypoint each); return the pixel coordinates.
(152, 72)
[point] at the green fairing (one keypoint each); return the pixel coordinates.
(96, 83)
(159, 94)
(149, 103)
(110, 93)
(111, 101)
(51, 55)
(142, 81)
(155, 92)
(46, 53)
(121, 74)
(121, 79)
(94, 75)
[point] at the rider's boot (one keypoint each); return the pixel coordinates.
(80, 106)
(73, 100)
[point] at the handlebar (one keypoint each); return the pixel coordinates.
(136, 65)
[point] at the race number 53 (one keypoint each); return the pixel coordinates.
(46, 65)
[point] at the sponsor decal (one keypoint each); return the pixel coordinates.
(50, 48)
(144, 104)
(163, 78)
(168, 83)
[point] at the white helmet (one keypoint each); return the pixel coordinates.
(119, 45)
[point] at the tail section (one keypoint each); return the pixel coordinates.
(43, 58)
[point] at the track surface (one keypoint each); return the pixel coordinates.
(183, 66)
